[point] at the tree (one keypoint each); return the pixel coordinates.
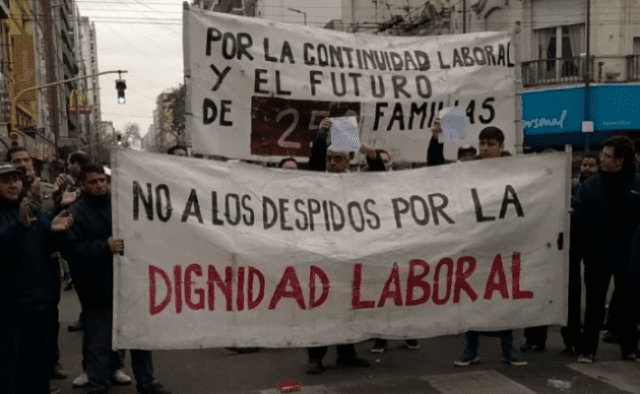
(172, 108)
(130, 134)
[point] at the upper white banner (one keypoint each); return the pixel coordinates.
(223, 254)
(257, 88)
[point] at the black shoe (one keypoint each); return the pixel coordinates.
(380, 346)
(353, 362)
(244, 350)
(58, 373)
(77, 326)
(531, 348)
(54, 390)
(412, 344)
(314, 367)
(153, 388)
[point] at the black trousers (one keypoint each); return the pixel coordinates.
(54, 331)
(99, 358)
(597, 275)
(25, 351)
(571, 333)
(345, 352)
(536, 335)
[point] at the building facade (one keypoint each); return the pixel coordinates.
(88, 58)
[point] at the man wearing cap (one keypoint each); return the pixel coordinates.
(29, 286)
(45, 195)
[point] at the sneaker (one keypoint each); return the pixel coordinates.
(353, 362)
(531, 348)
(412, 344)
(380, 346)
(586, 358)
(121, 378)
(610, 337)
(466, 361)
(314, 367)
(516, 362)
(153, 388)
(58, 373)
(81, 381)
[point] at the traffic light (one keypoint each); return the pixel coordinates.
(121, 86)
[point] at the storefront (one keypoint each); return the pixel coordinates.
(554, 117)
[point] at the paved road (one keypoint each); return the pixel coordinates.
(428, 370)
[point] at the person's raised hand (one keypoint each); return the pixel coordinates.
(62, 222)
(436, 129)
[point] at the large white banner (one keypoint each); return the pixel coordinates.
(233, 254)
(257, 88)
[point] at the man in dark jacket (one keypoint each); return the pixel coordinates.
(29, 287)
(89, 248)
(607, 210)
(325, 158)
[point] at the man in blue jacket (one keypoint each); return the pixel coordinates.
(89, 248)
(607, 210)
(29, 287)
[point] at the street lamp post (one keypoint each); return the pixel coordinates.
(300, 12)
(48, 85)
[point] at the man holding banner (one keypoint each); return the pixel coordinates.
(491, 144)
(337, 162)
(89, 247)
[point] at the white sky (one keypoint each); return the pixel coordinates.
(144, 37)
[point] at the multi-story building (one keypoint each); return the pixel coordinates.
(89, 64)
(5, 109)
(558, 42)
(65, 57)
(19, 64)
(237, 7)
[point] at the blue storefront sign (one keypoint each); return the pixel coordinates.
(554, 117)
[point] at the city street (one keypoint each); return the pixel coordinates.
(427, 370)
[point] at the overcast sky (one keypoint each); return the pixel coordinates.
(144, 37)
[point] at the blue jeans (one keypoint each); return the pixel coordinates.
(472, 341)
(99, 359)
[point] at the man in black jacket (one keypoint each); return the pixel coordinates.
(325, 158)
(89, 248)
(29, 287)
(607, 210)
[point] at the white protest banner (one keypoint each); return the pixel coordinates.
(232, 254)
(257, 88)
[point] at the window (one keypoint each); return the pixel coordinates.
(564, 45)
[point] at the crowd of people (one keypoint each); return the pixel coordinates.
(37, 230)
(69, 222)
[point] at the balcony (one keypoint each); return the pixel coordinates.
(571, 70)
